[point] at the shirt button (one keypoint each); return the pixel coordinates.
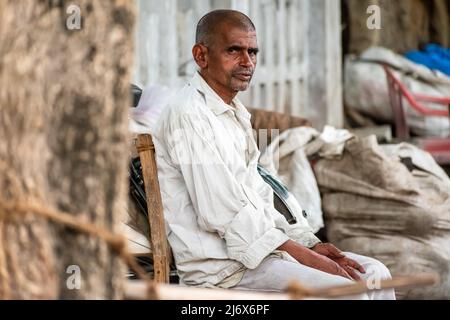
(304, 213)
(243, 202)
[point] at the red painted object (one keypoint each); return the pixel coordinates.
(439, 148)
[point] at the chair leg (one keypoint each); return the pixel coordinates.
(158, 238)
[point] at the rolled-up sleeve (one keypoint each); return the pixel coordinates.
(218, 198)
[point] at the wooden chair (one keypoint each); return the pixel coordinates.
(158, 239)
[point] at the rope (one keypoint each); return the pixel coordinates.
(298, 292)
(115, 241)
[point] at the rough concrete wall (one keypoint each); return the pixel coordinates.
(64, 96)
(405, 24)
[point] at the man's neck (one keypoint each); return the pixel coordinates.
(223, 93)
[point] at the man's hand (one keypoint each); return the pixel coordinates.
(349, 265)
(312, 259)
(328, 250)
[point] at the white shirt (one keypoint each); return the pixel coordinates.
(219, 212)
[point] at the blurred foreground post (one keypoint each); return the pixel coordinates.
(64, 96)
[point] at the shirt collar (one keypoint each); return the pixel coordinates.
(215, 102)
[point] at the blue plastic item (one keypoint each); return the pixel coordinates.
(433, 56)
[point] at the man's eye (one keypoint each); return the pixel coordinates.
(232, 50)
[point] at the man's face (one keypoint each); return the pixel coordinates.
(231, 60)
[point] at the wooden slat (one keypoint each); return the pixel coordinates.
(282, 57)
(298, 60)
(151, 52)
(255, 97)
(333, 53)
(158, 238)
(240, 5)
(171, 55)
(191, 24)
(269, 47)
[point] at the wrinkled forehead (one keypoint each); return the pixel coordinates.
(230, 34)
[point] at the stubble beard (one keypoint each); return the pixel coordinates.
(239, 85)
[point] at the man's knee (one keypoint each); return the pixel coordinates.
(380, 270)
(376, 271)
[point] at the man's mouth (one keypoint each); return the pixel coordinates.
(243, 76)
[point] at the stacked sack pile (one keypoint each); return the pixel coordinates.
(390, 202)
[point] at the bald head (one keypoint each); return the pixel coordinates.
(211, 24)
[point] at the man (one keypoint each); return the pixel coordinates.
(222, 225)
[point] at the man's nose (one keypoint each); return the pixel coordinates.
(246, 60)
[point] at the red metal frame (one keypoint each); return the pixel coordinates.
(414, 98)
(439, 148)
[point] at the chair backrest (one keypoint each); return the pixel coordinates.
(158, 238)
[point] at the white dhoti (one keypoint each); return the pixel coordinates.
(274, 274)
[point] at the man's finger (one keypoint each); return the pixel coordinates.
(345, 274)
(335, 252)
(356, 265)
(352, 273)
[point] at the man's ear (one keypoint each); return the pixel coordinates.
(200, 54)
